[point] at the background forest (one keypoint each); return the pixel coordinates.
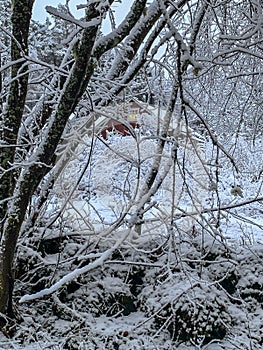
(144, 238)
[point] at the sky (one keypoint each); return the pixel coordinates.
(40, 14)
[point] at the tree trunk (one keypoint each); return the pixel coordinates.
(22, 11)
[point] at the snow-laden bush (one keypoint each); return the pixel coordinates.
(250, 273)
(162, 292)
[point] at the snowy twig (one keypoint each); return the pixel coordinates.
(134, 263)
(212, 136)
(226, 207)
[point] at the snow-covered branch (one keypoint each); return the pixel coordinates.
(76, 273)
(53, 11)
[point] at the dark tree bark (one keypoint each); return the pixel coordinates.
(11, 120)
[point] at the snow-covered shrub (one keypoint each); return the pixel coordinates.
(108, 296)
(250, 284)
(184, 298)
(200, 315)
(153, 293)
